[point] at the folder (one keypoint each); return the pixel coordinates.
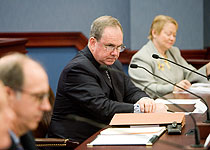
(132, 119)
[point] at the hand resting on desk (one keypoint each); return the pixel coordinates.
(148, 105)
(160, 107)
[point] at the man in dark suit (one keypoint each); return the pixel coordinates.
(87, 90)
(27, 87)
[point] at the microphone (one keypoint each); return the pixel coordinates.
(197, 134)
(196, 130)
(104, 67)
(207, 112)
(157, 57)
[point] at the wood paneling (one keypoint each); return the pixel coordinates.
(51, 39)
(12, 45)
(196, 57)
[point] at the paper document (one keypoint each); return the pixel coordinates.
(200, 107)
(122, 140)
(198, 88)
(207, 141)
(177, 101)
(128, 136)
(206, 85)
(144, 130)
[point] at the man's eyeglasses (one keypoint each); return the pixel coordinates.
(38, 96)
(111, 48)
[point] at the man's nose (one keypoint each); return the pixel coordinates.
(45, 106)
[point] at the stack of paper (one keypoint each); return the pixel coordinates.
(198, 88)
(200, 107)
(128, 136)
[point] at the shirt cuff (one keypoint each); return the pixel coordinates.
(136, 108)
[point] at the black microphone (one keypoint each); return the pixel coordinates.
(196, 130)
(103, 67)
(207, 112)
(197, 134)
(157, 57)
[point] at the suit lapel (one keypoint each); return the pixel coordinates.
(106, 78)
(116, 91)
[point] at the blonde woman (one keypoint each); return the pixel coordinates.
(162, 37)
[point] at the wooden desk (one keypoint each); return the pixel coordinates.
(165, 142)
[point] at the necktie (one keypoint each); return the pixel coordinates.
(110, 80)
(108, 76)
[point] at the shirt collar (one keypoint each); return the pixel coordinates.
(14, 137)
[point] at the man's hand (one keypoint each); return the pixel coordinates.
(147, 105)
(160, 107)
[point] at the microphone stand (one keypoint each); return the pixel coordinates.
(196, 130)
(207, 112)
(158, 57)
(197, 145)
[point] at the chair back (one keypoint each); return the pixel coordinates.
(43, 143)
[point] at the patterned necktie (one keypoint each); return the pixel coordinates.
(108, 76)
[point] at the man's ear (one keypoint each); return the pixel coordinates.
(11, 94)
(92, 43)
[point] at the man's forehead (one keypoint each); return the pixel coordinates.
(34, 75)
(112, 35)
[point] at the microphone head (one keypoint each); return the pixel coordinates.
(133, 65)
(103, 67)
(155, 56)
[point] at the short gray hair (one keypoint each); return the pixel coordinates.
(11, 70)
(101, 23)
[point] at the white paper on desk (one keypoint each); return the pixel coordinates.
(145, 130)
(198, 88)
(145, 126)
(200, 107)
(127, 136)
(207, 85)
(177, 101)
(121, 140)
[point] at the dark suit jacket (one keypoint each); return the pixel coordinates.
(85, 90)
(27, 141)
